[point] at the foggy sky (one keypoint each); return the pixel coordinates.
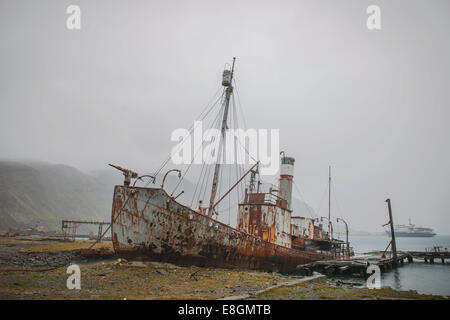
(373, 104)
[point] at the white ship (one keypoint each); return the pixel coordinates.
(411, 230)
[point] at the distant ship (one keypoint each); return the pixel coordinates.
(411, 230)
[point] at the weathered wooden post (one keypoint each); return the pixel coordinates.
(393, 244)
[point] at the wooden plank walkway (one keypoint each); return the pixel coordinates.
(430, 256)
(357, 265)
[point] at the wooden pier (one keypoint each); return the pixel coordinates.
(357, 265)
(430, 256)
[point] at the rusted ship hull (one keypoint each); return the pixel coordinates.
(148, 224)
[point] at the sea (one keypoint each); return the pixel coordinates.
(422, 277)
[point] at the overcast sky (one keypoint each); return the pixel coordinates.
(373, 104)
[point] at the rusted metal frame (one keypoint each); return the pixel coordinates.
(83, 222)
(228, 192)
(384, 252)
(74, 231)
(69, 227)
(112, 221)
(100, 227)
(277, 198)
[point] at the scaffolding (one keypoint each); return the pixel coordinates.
(69, 228)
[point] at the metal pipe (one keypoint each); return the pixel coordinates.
(178, 195)
(164, 179)
(144, 176)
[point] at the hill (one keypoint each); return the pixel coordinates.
(43, 194)
(38, 193)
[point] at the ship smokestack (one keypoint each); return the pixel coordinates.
(286, 179)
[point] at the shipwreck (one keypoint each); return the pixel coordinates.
(149, 223)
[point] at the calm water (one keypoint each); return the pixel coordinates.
(363, 244)
(419, 276)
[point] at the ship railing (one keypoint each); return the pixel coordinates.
(270, 198)
(264, 198)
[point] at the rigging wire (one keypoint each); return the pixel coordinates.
(206, 171)
(237, 155)
(201, 195)
(229, 198)
(231, 206)
(197, 184)
(302, 198)
(219, 189)
(192, 128)
(336, 199)
(321, 201)
(240, 169)
(209, 166)
(240, 150)
(229, 178)
(239, 103)
(239, 140)
(194, 156)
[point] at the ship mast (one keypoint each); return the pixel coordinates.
(329, 204)
(228, 83)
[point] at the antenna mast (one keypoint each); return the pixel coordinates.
(228, 83)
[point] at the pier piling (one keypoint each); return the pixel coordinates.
(391, 222)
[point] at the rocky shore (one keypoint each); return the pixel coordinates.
(38, 260)
(37, 269)
(31, 253)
